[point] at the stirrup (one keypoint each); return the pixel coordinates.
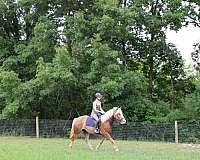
(97, 131)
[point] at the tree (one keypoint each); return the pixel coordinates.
(9, 82)
(192, 104)
(59, 53)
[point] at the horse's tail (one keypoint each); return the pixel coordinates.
(72, 135)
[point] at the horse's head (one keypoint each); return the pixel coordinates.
(118, 115)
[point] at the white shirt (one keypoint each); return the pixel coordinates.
(97, 107)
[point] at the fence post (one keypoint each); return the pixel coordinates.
(37, 127)
(176, 132)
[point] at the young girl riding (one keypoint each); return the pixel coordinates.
(97, 110)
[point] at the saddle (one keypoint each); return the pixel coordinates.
(91, 122)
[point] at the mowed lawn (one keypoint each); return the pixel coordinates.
(22, 148)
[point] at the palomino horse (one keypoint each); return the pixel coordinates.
(79, 124)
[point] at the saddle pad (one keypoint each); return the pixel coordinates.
(90, 122)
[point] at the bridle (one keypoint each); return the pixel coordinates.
(117, 119)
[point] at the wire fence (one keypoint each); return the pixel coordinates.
(187, 132)
(22, 127)
(140, 131)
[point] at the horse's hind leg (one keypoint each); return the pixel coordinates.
(72, 138)
(71, 143)
(87, 135)
(73, 134)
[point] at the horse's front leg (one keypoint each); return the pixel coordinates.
(87, 135)
(100, 143)
(107, 135)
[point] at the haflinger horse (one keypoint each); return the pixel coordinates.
(106, 121)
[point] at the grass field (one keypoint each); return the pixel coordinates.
(21, 148)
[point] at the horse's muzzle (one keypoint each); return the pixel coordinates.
(123, 121)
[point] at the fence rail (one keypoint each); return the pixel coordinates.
(132, 131)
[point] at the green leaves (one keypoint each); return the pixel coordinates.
(54, 55)
(106, 70)
(9, 83)
(192, 103)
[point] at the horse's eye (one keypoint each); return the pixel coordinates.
(118, 115)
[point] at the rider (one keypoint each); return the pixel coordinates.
(97, 110)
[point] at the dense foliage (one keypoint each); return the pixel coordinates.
(54, 55)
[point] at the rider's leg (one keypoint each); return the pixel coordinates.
(96, 118)
(97, 127)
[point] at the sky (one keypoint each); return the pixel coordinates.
(184, 40)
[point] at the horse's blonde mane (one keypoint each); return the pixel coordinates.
(107, 115)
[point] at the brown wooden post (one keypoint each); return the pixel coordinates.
(176, 132)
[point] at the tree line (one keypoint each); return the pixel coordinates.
(54, 56)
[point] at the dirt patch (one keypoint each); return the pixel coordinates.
(191, 146)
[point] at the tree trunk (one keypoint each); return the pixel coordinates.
(151, 56)
(150, 76)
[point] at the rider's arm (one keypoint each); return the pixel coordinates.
(101, 110)
(95, 107)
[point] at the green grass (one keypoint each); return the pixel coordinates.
(21, 148)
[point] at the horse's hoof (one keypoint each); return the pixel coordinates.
(117, 150)
(70, 146)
